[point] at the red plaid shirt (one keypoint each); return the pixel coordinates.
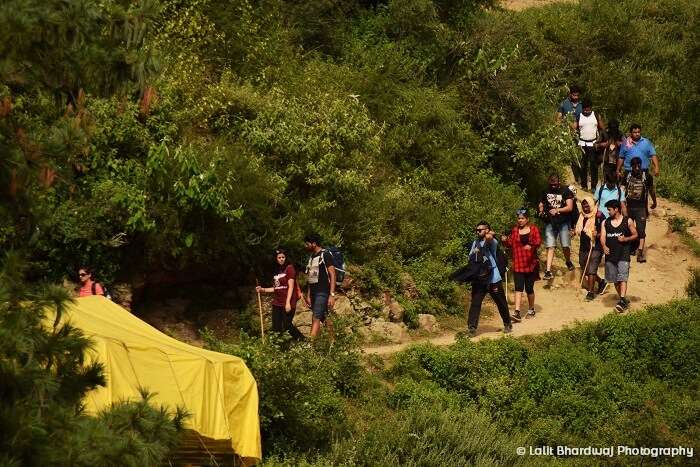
(524, 260)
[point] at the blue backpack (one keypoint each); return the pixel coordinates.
(338, 263)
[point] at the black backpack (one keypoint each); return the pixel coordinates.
(105, 292)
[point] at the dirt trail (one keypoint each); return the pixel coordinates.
(560, 302)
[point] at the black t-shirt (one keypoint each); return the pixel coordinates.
(618, 251)
(552, 199)
(317, 270)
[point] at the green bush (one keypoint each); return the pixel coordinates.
(693, 286)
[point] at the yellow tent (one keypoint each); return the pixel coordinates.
(217, 390)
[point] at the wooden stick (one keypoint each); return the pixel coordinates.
(262, 326)
(585, 269)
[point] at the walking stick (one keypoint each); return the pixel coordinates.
(585, 269)
(262, 327)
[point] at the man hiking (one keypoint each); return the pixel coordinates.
(555, 208)
(589, 127)
(608, 191)
(617, 234)
(636, 192)
(321, 279)
(487, 246)
(590, 252)
(571, 106)
(568, 111)
(638, 146)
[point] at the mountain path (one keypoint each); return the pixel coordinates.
(560, 302)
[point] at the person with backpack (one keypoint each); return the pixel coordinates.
(608, 191)
(524, 239)
(285, 298)
(321, 278)
(617, 234)
(555, 208)
(484, 250)
(636, 192)
(88, 286)
(590, 254)
(610, 148)
(637, 146)
(588, 127)
(568, 111)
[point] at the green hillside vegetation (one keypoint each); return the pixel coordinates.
(195, 136)
(624, 380)
(191, 137)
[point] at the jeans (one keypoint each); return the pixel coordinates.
(479, 291)
(283, 321)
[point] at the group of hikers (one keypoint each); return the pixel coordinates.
(611, 226)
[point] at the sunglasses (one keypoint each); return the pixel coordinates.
(479, 230)
(82, 274)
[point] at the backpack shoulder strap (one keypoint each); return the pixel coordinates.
(600, 192)
(94, 288)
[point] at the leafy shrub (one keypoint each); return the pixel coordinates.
(301, 389)
(693, 286)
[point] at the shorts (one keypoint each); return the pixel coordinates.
(551, 232)
(525, 281)
(319, 305)
(617, 272)
(639, 216)
(593, 263)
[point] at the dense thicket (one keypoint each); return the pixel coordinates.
(193, 136)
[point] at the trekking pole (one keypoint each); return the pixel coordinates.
(262, 327)
(585, 269)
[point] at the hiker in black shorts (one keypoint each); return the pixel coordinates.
(637, 196)
(617, 235)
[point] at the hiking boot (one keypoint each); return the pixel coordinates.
(548, 275)
(507, 329)
(516, 316)
(530, 314)
(590, 296)
(640, 256)
(602, 285)
(570, 265)
(471, 332)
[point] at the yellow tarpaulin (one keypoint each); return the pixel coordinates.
(217, 390)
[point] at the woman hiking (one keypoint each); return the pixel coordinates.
(88, 286)
(285, 298)
(524, 239)
(591, 250)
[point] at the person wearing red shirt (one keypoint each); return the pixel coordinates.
(524, 239)
(285, 296)
(87, 285)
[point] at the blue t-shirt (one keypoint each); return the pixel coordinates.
(606, 195)
(490, 253)
(566, 107)
(642, 149)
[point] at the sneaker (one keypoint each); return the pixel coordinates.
(507, 329)
(516, 316)
(471, 332)
(622, 306)
(627, 302)
(641, 258)
(530, 314)
(548, 275)
(602, 285)
(570, 265)
(590, 296)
